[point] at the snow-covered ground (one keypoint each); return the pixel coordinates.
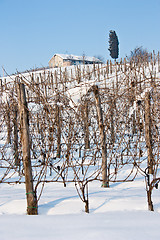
(116, 213)
(111, 225)
(119, 212)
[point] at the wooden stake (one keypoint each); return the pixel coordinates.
(112, 120)
(32, 208)
(86, 125)
(15, 129)
(105, 175)
(58, 122)
(148, 135)
(8, 124)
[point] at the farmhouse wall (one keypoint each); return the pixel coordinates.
(56, 61)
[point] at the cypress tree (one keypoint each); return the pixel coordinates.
(113, 44)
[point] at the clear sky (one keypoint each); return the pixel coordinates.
(32, 31)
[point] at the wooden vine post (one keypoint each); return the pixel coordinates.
(32, 208)
(15, 132)
(8, 120)
(85, 113)
(105, 170)
(58, 122)
(58, 119)
(148, 138)
(148, 135)
(112, 120)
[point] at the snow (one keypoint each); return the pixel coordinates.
(119, 212)
(122, 225)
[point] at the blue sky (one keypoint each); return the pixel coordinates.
(32, 31)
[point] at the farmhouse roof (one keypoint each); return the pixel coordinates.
(78, 58)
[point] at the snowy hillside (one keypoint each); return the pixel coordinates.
(118, 213)
(67, 153)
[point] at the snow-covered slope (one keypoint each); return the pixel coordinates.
(119, 212)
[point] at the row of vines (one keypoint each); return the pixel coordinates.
(81, 124)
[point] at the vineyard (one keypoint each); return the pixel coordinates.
(81, 124)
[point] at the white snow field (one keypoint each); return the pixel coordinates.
(119, 212)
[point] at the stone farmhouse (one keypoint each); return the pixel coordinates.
(64, 60)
